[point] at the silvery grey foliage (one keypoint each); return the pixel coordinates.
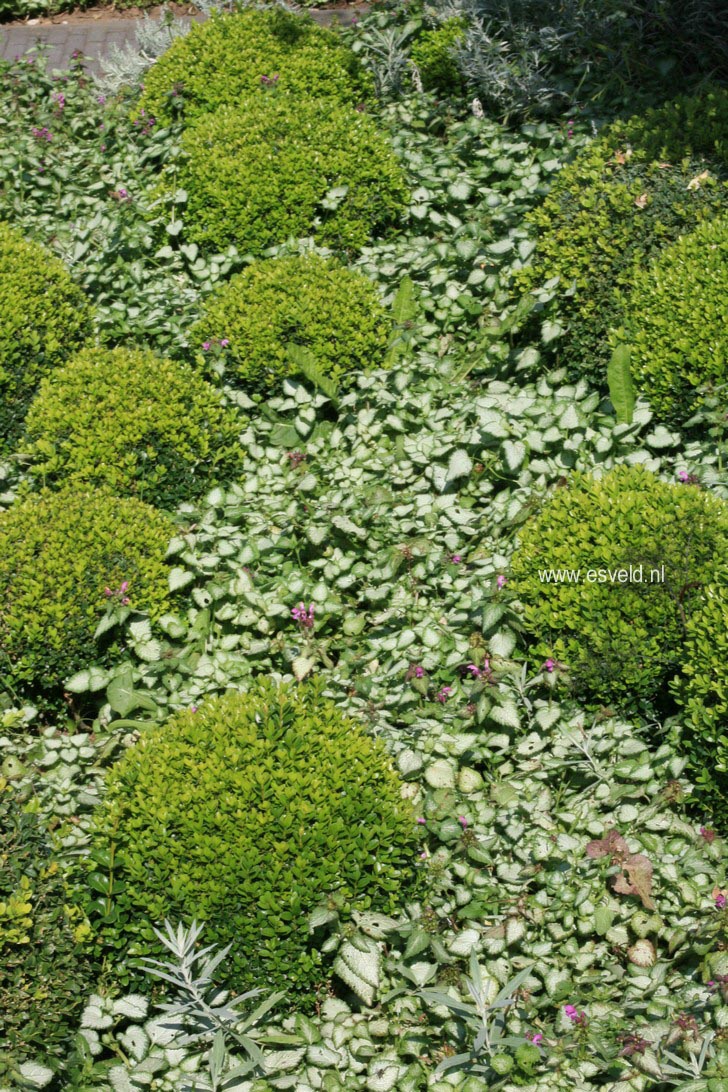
(125, 65)
(202, 1012)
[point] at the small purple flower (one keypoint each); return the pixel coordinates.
(720, 901)
(302, 616)
(419, 672)
(193, 709)
(42, 134)
(269, 81)
(206, 345)
(683, 475)
(534, 1037)
(708, 834)
(474, 670)
(576, 1017)
(224, 343)
(463, 822)
(456, 559)
(549, 665)
(101, 99)
(443, 694)
(421, 820)
(60, 100)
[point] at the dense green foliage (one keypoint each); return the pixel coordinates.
(140, 424)
(274, 167)
(703, 691)
(44, 974)
(245, 814)
(220, 62)
(434, 53)
(675, 322)
(611, 212)
(308, 301)
(652, 549)
(43, 319)
(59, 552)
(568, 859)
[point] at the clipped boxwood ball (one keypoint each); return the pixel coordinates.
(434, 53)
(675, 322)
(44, 318)
(222, 60)
(58, 553)
(246, 814)
(619, 631)
(309, 301)
(144, 426)
(702, 690)
(609, 214)
(277, 167)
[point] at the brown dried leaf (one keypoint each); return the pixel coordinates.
(636, 879)
(611, 845)
(641, 201)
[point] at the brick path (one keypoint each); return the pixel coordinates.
(94, 37)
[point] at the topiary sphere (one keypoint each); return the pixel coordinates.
(620, 637)
(675, 322)
(142, 425)
(702, 691)
(59, 552)
(611, 212)
(434, 53)
(246, 814)
(44, 318)
(222, 60)
(310, 301)
(276, 167)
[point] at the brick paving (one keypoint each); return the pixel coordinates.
(94, 37)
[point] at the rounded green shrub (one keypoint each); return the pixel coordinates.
(702, 690)
(434, 54)
(675, 322)
(246, 814)
(45, 975)
(44, 318)
(276, 167)
(334, 313)
(222, 60)
(142, 425)
(611, 212)
(644, 552)
(59, 553)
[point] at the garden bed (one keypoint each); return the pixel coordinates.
(363, 561)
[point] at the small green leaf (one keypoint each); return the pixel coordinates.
(621, 388)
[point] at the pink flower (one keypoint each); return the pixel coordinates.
(549, 665)
(474, 671)
(206, 345)
(443, 694)
(534, 1037)
(456, 558)
(302, 616)
(575, 1016)
(421, 821)
(419, 672)
(462, 821)
(708, 834)
(224, 343)
(720, 902)
(502, 580)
